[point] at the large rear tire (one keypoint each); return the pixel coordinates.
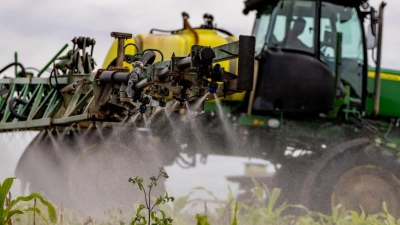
(359, 175)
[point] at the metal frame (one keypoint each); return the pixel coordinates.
(46, 106)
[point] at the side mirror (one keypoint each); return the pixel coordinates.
(371, 38)
(374, 21)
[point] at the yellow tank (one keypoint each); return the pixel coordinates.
(180, 44)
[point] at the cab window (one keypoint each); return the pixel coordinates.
(293, 26)
(335, 19)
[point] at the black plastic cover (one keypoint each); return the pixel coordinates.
(246, 63)
(293, 82)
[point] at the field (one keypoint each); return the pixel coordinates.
(262, 207)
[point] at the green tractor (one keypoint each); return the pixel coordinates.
(298, 92)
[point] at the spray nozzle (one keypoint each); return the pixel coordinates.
(142, 108)
(212, 87)
(162, 102)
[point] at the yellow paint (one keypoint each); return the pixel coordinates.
(385, 76)
(256, 122)
(112, 53)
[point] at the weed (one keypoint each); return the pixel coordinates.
(152, 215)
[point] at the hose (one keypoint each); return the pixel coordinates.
(185, 164)
(12, 109)
(14, 64)
(134, 56)
(165, 31)
(131, 44)
(148, 57)
(155, 50)
(53, 73)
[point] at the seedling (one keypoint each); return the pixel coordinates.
(152, 216)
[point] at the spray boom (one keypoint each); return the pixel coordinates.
(185, 78)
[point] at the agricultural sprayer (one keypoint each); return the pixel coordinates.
(299, 93)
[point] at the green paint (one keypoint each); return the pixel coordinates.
(389, 71)
(389, 98)
(40, 110)
(252, 120)
(16, 63)
(7, 113)
(339, 102)
(37, 101)
(352, 111)
(52, 60)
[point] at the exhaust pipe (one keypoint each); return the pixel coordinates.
(378, 61)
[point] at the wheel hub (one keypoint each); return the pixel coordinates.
(368, 186)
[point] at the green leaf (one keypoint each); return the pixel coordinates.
(276, 192)
(362, 214)
(229, 198)
(258, 190)
(162, 213)
(234, 221)
(159, 200)
(50, 208)
(202, 220)
(141, 207)
(210, 193)
(31, 209)
(4, 189)
(384, 207)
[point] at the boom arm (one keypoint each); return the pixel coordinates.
(79, 95)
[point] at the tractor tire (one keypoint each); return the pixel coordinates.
(289, 178)
(356, 175)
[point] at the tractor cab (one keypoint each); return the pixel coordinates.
(310, 54)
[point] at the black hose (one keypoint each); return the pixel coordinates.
(148, 57)
(12, 109)
(131, 44)
(14, 64)
(180, 30)
(223, 31)
(185, 164)
(53, 73)
(165, 31)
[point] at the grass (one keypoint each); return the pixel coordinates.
(167, 210)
